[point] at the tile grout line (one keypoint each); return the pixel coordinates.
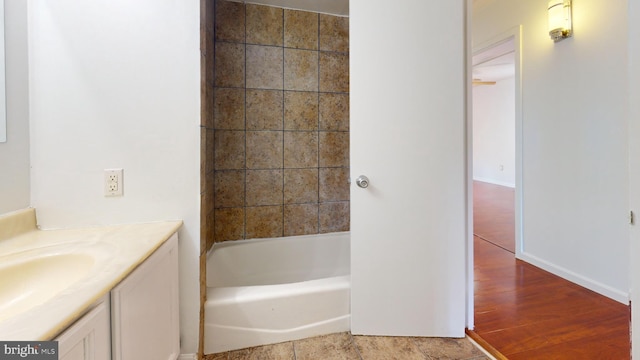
(353, 344)
(244, 202)
(211, 228)
(415, 343)
(283, 126)
(295, 355)
(318, 122)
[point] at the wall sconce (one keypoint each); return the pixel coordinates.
(560, 19)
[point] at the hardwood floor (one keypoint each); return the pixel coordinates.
(527, 313)
(493, 210)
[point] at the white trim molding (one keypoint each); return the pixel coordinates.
(593, 285)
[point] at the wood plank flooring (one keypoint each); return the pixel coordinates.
(493, 214)
(527, 313)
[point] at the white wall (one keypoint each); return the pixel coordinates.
(575, 199)
(116, 84)
(494, 133)
(14, 154)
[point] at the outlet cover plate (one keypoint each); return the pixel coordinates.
(113, 184)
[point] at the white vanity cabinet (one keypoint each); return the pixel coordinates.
(144, 309)
(137, 320)
(88, 338)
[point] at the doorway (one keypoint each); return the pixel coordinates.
(494, 145)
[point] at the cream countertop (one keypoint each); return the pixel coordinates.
(115, 251)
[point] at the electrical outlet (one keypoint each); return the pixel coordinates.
(113, 182)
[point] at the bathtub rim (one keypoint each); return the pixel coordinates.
(240, 242)
(226, 267)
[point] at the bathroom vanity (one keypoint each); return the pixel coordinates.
(138, 319)
(103, 293)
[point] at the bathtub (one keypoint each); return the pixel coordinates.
(266, 291)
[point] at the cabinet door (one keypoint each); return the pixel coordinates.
(88, 338)
(144, 308)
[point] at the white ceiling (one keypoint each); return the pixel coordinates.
(497, 69)
(495, 63)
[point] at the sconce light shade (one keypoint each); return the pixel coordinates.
(560, 19)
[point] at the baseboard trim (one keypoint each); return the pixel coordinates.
(600, 288)
(495, 182)
(188, 357)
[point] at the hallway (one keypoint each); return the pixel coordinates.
(527, 313)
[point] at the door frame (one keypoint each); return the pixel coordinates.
(514, 33)
(634, 176)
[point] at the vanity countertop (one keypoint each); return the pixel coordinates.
(105, 255)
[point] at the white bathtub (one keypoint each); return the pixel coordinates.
(266, 291)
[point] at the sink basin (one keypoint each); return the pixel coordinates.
(30, 281)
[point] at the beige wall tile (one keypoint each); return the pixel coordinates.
(229, 188)
(264, 149)
(229, 65)
(328, 347)
(209, 151)
(334, 184)
(264, 67)
(300, 149)
(334, 112)
(268, 115)
(209, 71)
(210, 238)
(300, 186)
(334, 216)
(387, 348)
(264, 222)
(206, 104)
(209, 224)
(300, 29)
(334, 72)
(264, 109)
(334, 33)
(206, 15)
(229, 224)
(229, 149)
(209, 188)
(282, 351)
(300, 110)
(264, 25)
(228, 108)
(264, 187)
(203, 154)
(230, 18)
(300, 219)
(300, 70)
(204, 235)
(203, 157)
(334, 149)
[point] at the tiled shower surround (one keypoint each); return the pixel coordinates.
(278, 141)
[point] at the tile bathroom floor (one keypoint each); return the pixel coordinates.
(347, 346)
